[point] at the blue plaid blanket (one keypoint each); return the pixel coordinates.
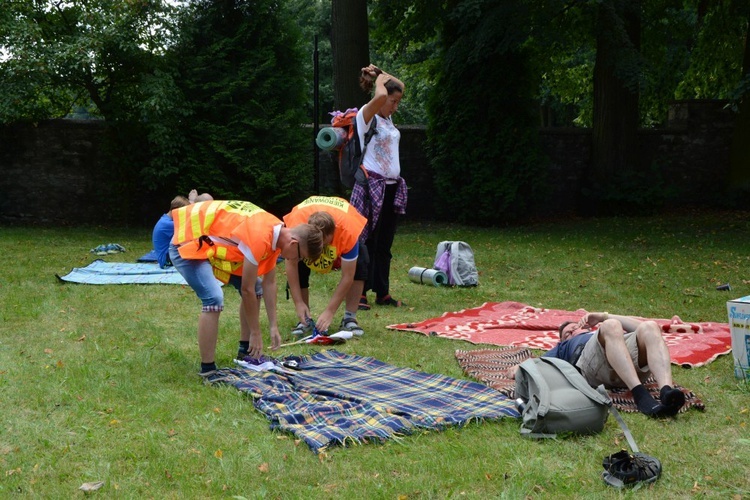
(334, 398)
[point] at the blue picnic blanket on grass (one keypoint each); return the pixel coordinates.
(123, 273)
(335, 397)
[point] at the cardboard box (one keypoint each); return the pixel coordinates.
(739, 323)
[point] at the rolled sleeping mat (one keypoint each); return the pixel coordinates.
(425, 276)
(330, 138)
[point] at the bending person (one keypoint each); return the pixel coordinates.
(163, 231)
(341, 226)
(623, 352)
(235, 242)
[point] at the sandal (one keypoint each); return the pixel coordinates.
(623, 469)
(351, 325)
(389, 301)
(301, 330)
(363, 305)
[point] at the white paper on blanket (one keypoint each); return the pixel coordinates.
(263, 367)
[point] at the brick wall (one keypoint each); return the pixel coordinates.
(56, 171)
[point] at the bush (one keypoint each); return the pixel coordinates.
(482, 134)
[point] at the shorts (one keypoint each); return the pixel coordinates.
(595, 369)
(199, 274)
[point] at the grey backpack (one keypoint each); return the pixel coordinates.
(556, 399)
(456, 260)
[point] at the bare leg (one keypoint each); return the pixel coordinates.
(653, 350)
(612, 339)
(353, 295)
(208, 333)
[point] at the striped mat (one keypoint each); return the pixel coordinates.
(334, 398)
(493, 367)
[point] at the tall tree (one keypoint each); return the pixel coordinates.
(350, 49)
(617, 75)
(739, 172)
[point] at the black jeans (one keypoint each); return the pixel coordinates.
(379, 244)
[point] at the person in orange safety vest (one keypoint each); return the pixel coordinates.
(235, 242)
(341, 225)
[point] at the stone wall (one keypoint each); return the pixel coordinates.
(57, 172)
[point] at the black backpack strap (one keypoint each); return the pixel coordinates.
(368, 135)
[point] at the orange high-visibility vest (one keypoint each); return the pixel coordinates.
(226, 224)
(349, 224)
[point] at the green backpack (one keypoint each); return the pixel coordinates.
(554, 398)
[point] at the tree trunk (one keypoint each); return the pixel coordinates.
(615, 121)
(350, 49)
(739, 154)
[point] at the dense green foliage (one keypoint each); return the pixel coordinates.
(98, 54)
(216, 101)
(239, 68)
(482, 130)
(688, 50)
(482, 137)
(213, 94)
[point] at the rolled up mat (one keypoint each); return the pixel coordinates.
(425, 276)
(330, 138)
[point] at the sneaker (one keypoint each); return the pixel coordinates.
(301, 330)
(351, 325)
(211, 377)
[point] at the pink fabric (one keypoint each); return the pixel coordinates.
(516, 324)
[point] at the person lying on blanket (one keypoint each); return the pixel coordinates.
(622, 352)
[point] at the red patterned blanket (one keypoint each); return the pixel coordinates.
(516, 324)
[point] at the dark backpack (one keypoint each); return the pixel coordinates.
(351, 170)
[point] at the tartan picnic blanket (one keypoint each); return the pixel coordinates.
(333, 398)
(494, 368)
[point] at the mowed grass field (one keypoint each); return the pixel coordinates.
(99, 383)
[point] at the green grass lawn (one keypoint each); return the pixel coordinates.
(99, 383)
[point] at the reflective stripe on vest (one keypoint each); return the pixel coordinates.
(223, 268)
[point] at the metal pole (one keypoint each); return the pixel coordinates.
(316, 118)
